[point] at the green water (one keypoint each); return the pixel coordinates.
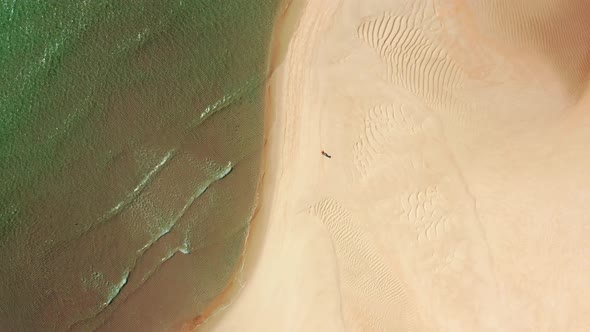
(130, 146)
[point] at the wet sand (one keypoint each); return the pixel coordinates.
(454, 198)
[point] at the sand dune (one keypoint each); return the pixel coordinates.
(455, 196)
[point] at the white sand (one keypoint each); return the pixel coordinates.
(456, 198)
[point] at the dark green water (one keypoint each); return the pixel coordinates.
(130, 147)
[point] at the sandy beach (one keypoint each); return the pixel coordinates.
(454, 198)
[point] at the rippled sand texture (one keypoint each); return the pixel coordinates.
(455, 196)
(131, 142)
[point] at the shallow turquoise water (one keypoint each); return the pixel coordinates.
(130, 145)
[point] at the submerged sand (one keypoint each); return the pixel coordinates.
(131, 136)
(455, 196)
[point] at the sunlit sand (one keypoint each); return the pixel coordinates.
(455, 196)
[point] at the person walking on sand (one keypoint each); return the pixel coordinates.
(325, 154)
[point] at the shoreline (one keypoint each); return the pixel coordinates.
(284, 29)
(277, 253)
(346, 244)
(281, 34)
